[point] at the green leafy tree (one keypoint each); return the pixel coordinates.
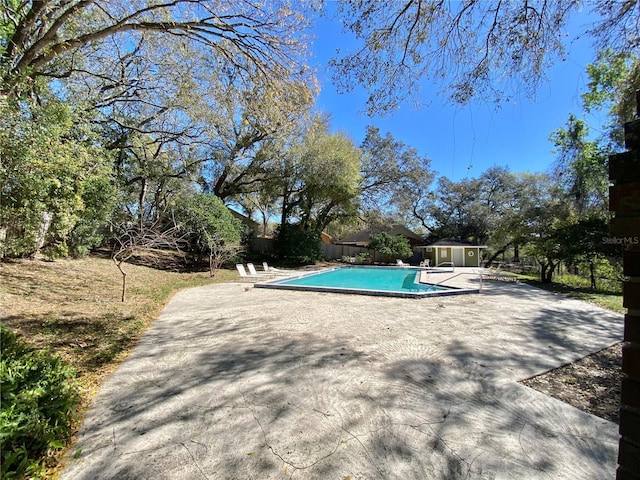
(193, 118)
(581, 167)
(391, 246)
(581, 162)
(150, 171)
(264, 202)
(506, 210)
(585, 246)
(547, 214)
(57, 186)
(614, 79)
(100, 198)
(394, 178)
(329, 178)
(516, 198)
(293, 244)
(211, 229)
(247, 122)
(319, 178)
(182, 91)
(475, 209)
(451, 213)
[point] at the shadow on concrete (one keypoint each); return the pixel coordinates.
(242, 393)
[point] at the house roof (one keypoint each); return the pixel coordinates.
(245, 220)
(364, 236)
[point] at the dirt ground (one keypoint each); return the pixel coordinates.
(591, 384)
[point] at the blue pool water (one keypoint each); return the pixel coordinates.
(394, 281)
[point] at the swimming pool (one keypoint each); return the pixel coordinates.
(362, 280)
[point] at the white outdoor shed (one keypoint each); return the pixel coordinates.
(446, 252)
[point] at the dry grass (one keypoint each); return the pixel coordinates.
(73, 308)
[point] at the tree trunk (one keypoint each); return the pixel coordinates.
(496, 255)
(549, 276)
(141, 199)
(546, 271)
(550, 271)
(124, 279)
(124, 286)
(592, 275)
(41, 233)
(543, 272)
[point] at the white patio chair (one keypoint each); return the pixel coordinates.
(255, 273)
(276, 271)
(245, 276)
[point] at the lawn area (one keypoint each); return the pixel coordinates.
(608, 295)
(72, 309)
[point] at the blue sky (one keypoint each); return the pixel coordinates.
(466, 140)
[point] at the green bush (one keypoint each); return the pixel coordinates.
(208, 222)
(390, 246)
(57, 184)
(38, 406)
(298, 246)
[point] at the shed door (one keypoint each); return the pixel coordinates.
(471, 257)
(443, 255)
(457, 257)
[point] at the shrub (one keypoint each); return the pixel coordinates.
(390, 245)
(208, 222)
(38, 406)
(57, 185)
(296, 245)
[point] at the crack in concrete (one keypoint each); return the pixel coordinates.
(278, 455)
(195, 462)
(366, 451)
(532, 463)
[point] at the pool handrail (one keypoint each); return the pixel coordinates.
(447, 264)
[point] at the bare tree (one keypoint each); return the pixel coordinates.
(473, 48)
(44, 38)
(136, 238)
(220, 252)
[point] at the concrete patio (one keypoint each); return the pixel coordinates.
(233, 382)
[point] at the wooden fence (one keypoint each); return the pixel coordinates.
(330, 251)
(338, 252)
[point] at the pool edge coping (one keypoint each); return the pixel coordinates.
(447, 289)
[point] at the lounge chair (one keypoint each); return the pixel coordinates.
(255, 273)
(401, 263)
(496, 273)
(276, 271)
(245, 276)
